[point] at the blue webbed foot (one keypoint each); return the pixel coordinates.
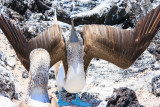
(61, 102)
(79, 102)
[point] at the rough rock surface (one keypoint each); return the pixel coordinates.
(7, 86)
(102, 76)
(36, 15)
(154, 48)
(156, 85)
(123, 97)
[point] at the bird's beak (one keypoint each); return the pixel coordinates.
(74, 35)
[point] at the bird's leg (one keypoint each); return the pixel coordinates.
(61, 102)
(78, 102)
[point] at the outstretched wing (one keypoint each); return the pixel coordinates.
(118, 46)
(51, 39)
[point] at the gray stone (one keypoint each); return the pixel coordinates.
(156, 85)
(11, 62)
(7, 86)
(123, 97)
(51, 73)
(25, 74)
(2, 56)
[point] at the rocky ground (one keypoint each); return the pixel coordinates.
(103, 78)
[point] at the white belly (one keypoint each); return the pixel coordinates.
(75, 81)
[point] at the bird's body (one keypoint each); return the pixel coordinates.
(38, 75)
(37, 91)
(74, 81)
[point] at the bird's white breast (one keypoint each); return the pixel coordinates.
(39, 94)
(75, 81)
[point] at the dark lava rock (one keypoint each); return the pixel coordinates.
(51, 74)
(123, 97)
(43, 5)
(7, 85)
(16, 5)
(118, 15)
(154, 47)
(156, 85)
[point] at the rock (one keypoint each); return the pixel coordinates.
(11, 62)
(7, 86)
(2, 56)
(37, 16)
(156, 85)
(17, 5)
(154, 47)
(32, 30)
(28, 14)
(43, 5)
(123, 13)
(51, 73)
(15, 15)
(6, 102)
(35, 19)
(24, 74)
(111, 15)
(123, 97)
(156, 66)
(18, 91)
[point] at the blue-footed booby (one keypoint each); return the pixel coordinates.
(118, 46)
(74, 81)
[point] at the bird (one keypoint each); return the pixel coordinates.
(74, 81)
(119, 46)
(50, 39)
(37, 91)
(49, 42)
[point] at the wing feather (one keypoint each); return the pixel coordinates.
(118, 46)
(51, 39)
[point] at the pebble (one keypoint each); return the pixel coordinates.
(24, 74)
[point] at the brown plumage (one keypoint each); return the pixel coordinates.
(51, 39)
(118, 46)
